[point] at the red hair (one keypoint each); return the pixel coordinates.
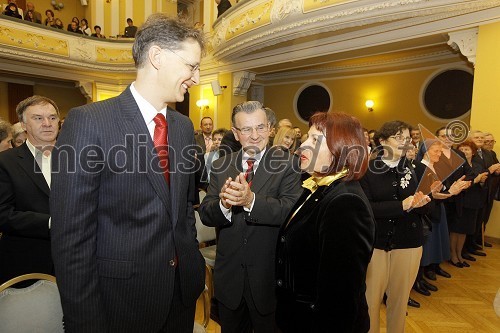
(346, 141)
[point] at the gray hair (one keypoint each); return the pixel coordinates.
(164, 32)
(247, 107)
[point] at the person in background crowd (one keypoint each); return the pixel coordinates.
(222, 6)
(473, 243)
(5, 135)
(76, 20)
(391, 187)
(298, 136)
(285, 138)
(31, 14)
(84, 27)
(58, 24)
(18, 134)
(25, 182)
(465, 222)
(371, 134)
(416, 137)
(130, 29)
(137, 268)
(213, 154)
(73, 27)
(491, 161)
(326, 243)
(97, 33)
(204, 140)
(49, 20)
(12, 11)
(251, 192)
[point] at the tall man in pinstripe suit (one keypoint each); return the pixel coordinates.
(123, 235)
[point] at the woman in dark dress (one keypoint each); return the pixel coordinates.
(470, 214)
(325, 246)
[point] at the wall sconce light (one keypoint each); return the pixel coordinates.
(369, 104)
(57, 5)
(202, 104)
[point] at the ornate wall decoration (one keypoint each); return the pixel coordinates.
(253, 18)
(109, 55)
(284, 8)
(28, 40)
(466, 42)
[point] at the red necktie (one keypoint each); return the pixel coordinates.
(249, 173)
(160, 140)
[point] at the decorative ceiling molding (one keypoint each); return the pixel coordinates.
(378, 65)
(388, 15)
(466, 42)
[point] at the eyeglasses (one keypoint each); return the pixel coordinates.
(490, 141)
(401, 138)
(249, 130)
(194, 68)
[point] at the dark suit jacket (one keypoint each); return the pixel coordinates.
(386, 189)
(116, 225)
(24, 216)
(490, 158)
(248, 241)
(321, 261)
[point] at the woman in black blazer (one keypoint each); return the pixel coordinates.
(325, 246)
(391, 187)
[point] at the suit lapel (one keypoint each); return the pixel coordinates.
(264, 171)
(28, 164)
(136, 132)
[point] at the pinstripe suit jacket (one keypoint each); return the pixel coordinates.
(116, 224)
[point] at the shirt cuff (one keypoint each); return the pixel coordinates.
(226, 211)
(251, 206)
(50, 220)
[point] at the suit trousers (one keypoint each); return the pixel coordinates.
(245, 318)
(180, 319)
(393, 273)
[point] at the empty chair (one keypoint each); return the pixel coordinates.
(36, 308)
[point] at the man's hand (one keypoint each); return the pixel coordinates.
(223, 191)
(238, 192)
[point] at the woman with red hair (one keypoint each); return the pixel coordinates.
(325, 246)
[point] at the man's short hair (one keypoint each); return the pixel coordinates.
(271, 116)
(201, 121)
(164, 32)
(129, 20)
(33, 100)
(247, 107)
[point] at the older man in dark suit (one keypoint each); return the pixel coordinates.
(251, 192)
(24, 192)
(123, 227)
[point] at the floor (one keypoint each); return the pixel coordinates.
(462, 304)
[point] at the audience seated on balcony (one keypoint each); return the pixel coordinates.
(97, 33)
(84, 27)
(12, 11)
(4, 7)
(49, 20)
(58, 24)
(31, 14)
(73, 27)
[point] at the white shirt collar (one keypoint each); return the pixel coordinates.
(148, 111)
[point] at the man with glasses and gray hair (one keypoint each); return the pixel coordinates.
(123, 227)
(251, 193)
